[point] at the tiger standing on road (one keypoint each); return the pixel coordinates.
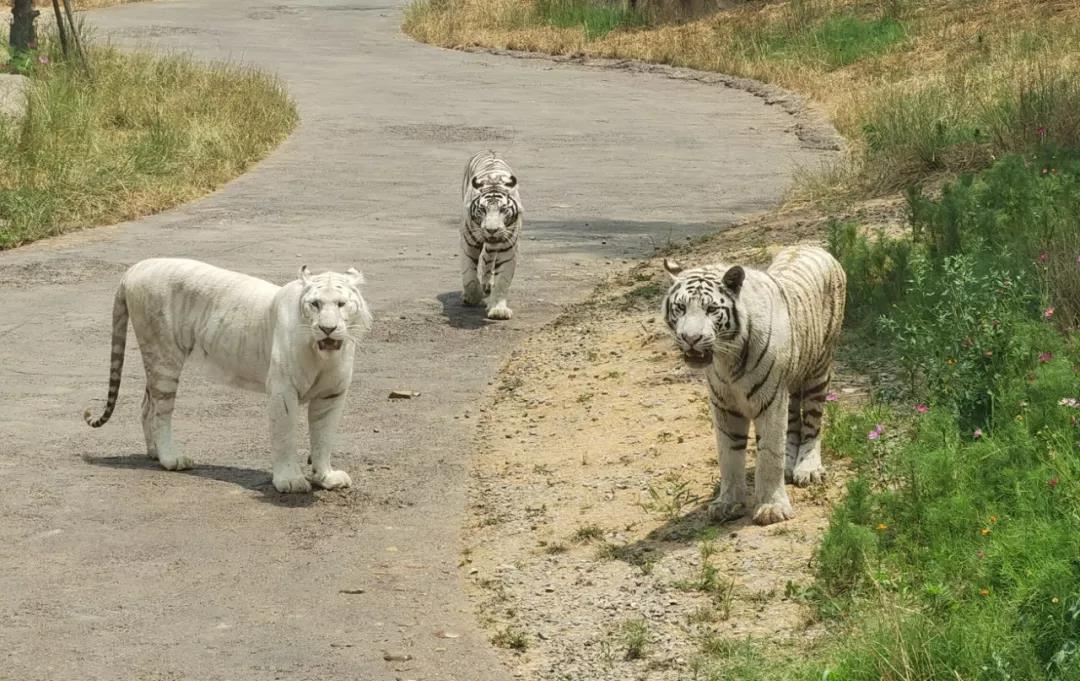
(489, 233)
(767, 340)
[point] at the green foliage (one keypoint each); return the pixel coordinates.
(635, 638)
(959, 334)
(595, 19)
(877, 271)
(836, 41)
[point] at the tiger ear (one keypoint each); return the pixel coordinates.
(305, 275)
(672, 267)
(476, 183)
(356, 279)
(512, 182)
(733, 278)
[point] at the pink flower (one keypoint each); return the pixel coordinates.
(1052, 482)
(1040, 131)
(1044, 256)
(43, 59)
(1048, 313)
(1046, 357)
(921, 408)
(977, 434)
(876, 432)
(832, 397)
(1069, 402)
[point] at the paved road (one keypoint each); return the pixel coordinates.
(113, 569)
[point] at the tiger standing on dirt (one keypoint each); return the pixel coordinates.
(489, 233)
(767, 340)
(294, 342)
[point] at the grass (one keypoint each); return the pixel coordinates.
(588, 533)
(954, 553)
(511, 639)
(634, 637)
(916, 87)
(148, 132)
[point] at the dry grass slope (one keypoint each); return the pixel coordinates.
(147, 133)
(917, 87)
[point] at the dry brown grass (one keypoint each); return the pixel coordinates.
(931, 101)
(78, 5)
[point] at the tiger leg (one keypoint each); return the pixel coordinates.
(794, 437)
(159, 399)
(487, 271)
(284, 406)
(808, 467)
(773, 504)
(324, 415)
(731, 431)
(471, 291)
(503, 272)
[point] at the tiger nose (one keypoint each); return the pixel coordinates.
(691, 338)
(327, 329)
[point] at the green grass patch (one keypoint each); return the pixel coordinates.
(146, 133)
(595, 19)
(956, 552)
(835, 42)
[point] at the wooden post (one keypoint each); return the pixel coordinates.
(60, 26)
(75, 35)
(22, 25)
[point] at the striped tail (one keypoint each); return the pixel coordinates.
(119, 340)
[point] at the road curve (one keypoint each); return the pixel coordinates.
(113, 569)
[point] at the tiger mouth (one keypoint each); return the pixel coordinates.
(328, 344)
(697, 359)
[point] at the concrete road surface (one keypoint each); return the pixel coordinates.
(113, 569)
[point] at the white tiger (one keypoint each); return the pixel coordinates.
(295, 342)
(768, 340)
(489, 233)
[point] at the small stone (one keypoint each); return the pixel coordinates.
(396, 656)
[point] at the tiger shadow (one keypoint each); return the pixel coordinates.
(248, 478)
(462, 316)
(690, 528)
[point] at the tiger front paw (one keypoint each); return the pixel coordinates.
(332, 480)
(721, 510)
(174, 462)
(500, 311)
(291, 483)
(775, 512)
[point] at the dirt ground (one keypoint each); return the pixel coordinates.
(589, 489)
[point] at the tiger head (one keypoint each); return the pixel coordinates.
(701, 309)
(495, 205)
(332, 309)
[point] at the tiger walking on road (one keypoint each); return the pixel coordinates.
(489, 233)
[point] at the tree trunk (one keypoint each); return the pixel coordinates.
(22, 25)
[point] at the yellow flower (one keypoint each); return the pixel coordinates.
(984, 531)
(951, 362)
(984, 592)
(993, 519)
(881, 527)
(1054, 599)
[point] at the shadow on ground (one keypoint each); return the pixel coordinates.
(459, 315)
(248, 478)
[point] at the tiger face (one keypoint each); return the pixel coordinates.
(494, 207)
(701, 310)
(332, 309)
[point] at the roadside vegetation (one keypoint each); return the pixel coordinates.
(140, 134)
(955, 553)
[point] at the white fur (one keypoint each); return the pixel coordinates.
(256, 336)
